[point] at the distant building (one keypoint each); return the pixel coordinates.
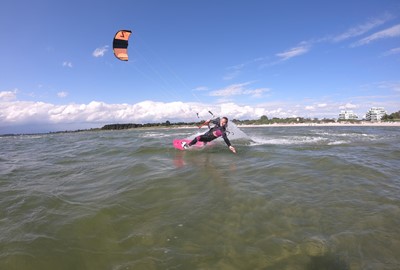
(375, 114)
(347, 115)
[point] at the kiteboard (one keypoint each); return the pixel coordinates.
(178, 144)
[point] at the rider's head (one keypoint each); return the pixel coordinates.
(223, 122)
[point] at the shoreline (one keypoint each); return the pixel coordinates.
(361, 124)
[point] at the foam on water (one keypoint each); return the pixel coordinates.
(160, 134)
(286, 141)
(316, 137)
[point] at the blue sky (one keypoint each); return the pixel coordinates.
(243, 59)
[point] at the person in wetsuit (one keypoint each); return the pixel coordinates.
(217, 131)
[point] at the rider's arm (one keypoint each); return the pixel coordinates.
(228, 143)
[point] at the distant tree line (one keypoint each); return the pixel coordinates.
(392, 117)
(263, 120)
(131, 125)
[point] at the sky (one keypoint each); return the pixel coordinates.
(242, 59)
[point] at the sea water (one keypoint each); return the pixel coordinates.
(291, 198)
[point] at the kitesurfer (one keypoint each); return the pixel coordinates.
(215, 132)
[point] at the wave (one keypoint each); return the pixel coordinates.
(286, 140)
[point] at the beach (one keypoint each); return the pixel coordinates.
(336, 124)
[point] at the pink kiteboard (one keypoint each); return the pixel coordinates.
(178, 144)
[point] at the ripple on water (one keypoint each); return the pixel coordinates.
(292, 198)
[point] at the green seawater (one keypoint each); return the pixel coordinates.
(292, 198)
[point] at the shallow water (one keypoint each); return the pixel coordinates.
(292, 198)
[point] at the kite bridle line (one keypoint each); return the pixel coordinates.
(208, 124)
(155, 74)
(204, 123)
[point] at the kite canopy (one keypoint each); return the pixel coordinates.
(120, 44)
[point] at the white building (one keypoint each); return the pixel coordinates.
(347, 115)
(375, 114)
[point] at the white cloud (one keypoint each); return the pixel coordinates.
(96, 113)
(233, 72)
(22, 112)
(62, 94)
(8, 95)
(201, 88)
(236, 70)
(305, 46)
(293, 52)
(67, 64)
(231, 75)
(392, 51)
(389, 85)
(99, 52)
(393, 31)
(386, 85)
(348, 106)
(18, 112)
(238, 89)
(361, 29)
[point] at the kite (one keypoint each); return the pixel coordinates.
(120, 44)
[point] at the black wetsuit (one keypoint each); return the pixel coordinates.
(210, 135)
